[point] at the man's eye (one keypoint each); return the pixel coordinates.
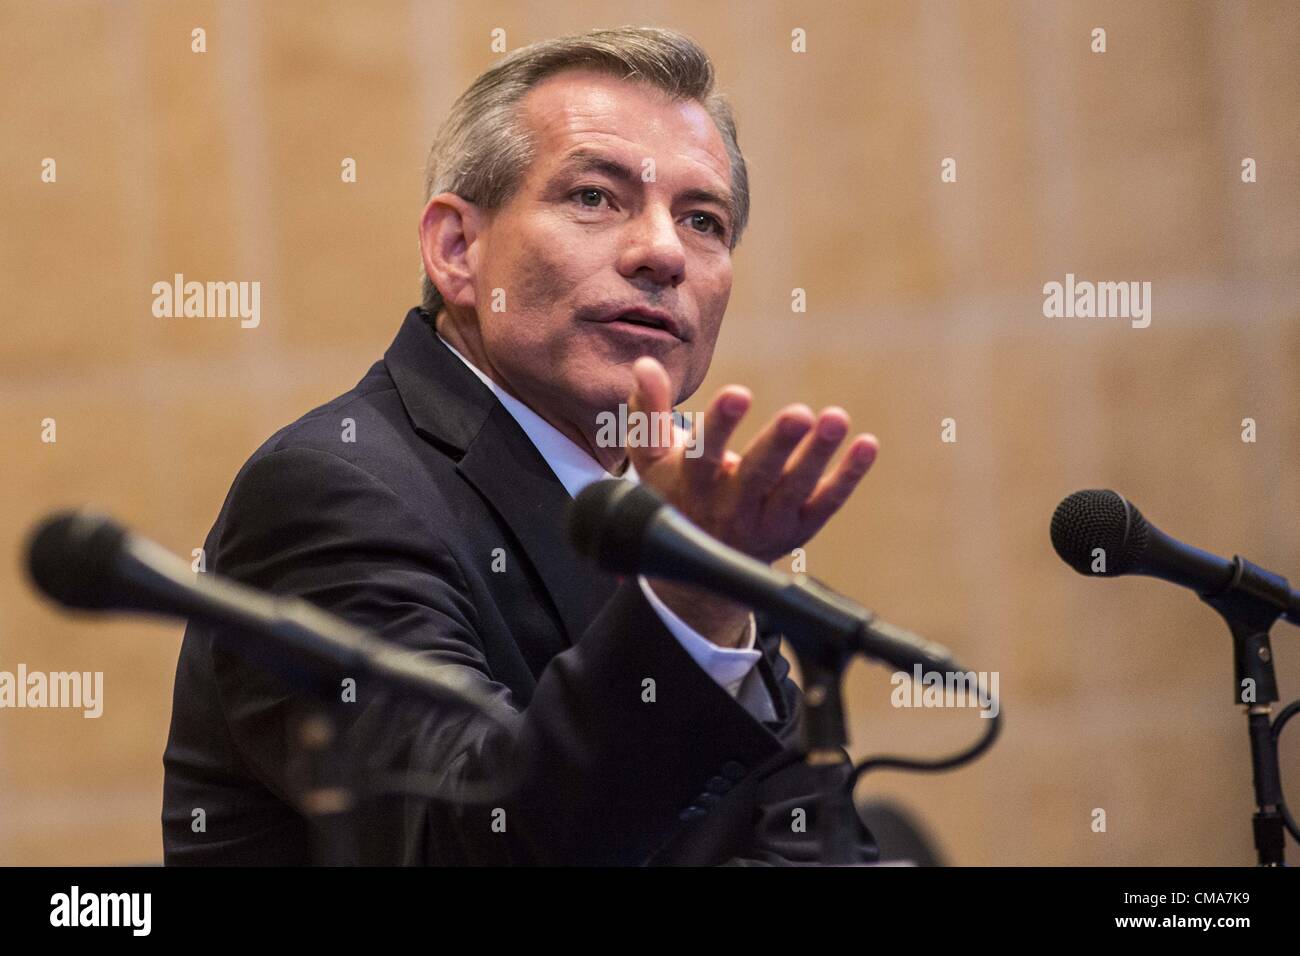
(709, 223)
(590, 197)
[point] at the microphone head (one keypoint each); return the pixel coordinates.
(608, 521)
(70, 556)
(1092, 519)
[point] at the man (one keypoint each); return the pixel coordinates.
(585, 196)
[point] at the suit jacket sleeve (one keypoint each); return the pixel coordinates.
(623, 730)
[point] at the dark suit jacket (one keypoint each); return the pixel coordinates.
(403, 530)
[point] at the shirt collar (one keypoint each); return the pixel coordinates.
(575, 468)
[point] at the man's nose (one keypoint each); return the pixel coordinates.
(653, 248)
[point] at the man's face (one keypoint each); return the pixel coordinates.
(586, 238)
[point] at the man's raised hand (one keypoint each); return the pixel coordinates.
(765, 501)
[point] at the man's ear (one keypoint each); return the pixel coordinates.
(449, 228)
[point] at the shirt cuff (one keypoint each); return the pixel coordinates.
(727, 665)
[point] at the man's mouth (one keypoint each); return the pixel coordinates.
(652, 320)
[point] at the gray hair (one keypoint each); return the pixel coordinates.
(481, 151)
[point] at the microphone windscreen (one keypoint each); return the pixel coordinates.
(1092, 519)
(70, 558)
(608, 522)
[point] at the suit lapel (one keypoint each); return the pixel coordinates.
(509, 471)
(451, 407)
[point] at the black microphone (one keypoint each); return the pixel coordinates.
(1129, 544)
(87, 561)
(627, 528)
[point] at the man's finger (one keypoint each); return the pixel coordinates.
(653, 387)
(652, 396)
(835, 488)
(763, 460)
(810, 459)
(720, 420)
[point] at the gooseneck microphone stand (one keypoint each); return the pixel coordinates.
(1249, 598)
(323, 771)
(1251, 603)
(825, 736)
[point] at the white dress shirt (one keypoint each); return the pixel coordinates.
(575, 468)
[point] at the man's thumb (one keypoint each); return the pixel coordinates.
(650, 397)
